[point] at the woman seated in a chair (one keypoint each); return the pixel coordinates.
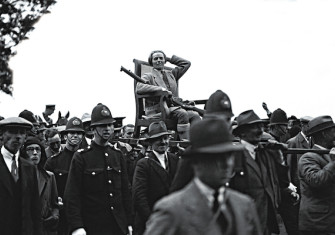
(166, 80)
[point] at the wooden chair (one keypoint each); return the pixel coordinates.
(141, 120)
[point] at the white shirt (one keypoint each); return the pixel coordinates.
(208, 192)
(250, 148)
(305, 137)
(8, 157)
(161, 158)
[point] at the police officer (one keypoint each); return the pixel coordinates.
(60, 163)
(97, 195)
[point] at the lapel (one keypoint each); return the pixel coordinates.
(173, 163)
(24, 170)
(158, 77)
(302, 140)
(237, 213)
(42, 182)
(198, 212)
(252, 163)
(5, 175)
(157, 167)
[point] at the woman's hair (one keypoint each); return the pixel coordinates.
(30, 141)
(153, 52)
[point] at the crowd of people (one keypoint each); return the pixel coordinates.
(236, 176)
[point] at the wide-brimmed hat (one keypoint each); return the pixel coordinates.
(157, 129)
(319, 124)
(211, 136)
(278, 117)
(219, 104)
(306, 119)
(247, 118)
(86, 117)
(15, 122)
(75, 125)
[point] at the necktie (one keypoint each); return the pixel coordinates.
(224, 219)
(14, 170)
(166, 163)
(166, 81)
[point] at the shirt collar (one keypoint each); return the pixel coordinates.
(319, 146)
(6, 154)
(159, 155)
(303, 135)
(250, 148)
(208, 192)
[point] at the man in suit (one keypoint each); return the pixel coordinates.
(316, 174)
(153, 175)
(265, 171)
(161, 79)
(20, 211)
(205, 205)
(97, 195)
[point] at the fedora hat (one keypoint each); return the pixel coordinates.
(247, 118)
(16, 122)
(211, 136)
(319, 124)
(157, 129)
(278, 117)
(219, 104)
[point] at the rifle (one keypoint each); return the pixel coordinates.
(174, 100)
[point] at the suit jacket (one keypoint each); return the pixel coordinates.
(292, 159)
(317, 185)
(30, 203)
(155, 82)
(97, 191)
(151, 182)
(49, 199)
(261, 180)
(186, 212)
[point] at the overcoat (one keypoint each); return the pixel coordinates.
(30, 204)
(151, 182)
(317, 186)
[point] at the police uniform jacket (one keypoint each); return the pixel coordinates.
(155, 82)
(317, 186)
(151, 182)
(98, 190)
(186, 212)
(26, 193)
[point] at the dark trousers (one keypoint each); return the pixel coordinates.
(183, 117)
(290, 214)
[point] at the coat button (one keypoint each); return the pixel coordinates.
(109, 181)
(111, 194)
(112, 208)
(60, 173)
(93, 173)
(106, 154)
(241, 173)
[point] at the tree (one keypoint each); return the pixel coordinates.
(17, 18)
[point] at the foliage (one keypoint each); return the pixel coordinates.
(17, 18)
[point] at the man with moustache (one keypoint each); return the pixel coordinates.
(153, 175)
(264, 174)
(20, 209)
(97, 195)
(60, 163)
(316, 174)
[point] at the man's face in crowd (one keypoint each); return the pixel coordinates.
(158, 60)
(34, 153)
(253, 133)
(74, 138)
(13, 138)
(104, 132)
(54, 143)
(128, 132)
(160, 144)
(216, 171)
(329, 135)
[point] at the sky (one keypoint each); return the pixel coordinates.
(278, 52)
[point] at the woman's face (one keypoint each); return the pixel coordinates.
(34, 153)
